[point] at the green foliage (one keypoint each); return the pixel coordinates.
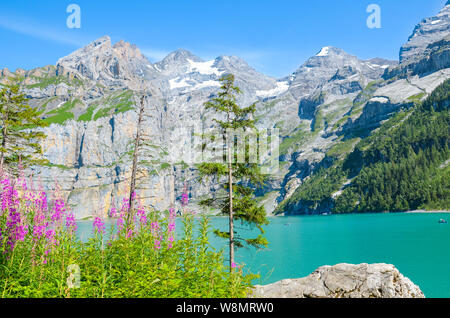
(87, 116)
(43, 82)
(124, 267)
(116, 103)
(245, 175)
(314, 191)
(298, 137)
(62, 113)
(340, 122)
(19, 144)
(342, 147)
(318, 122)
(417, 97)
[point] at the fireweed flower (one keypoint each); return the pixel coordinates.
(71, 224)
(58, 211)
(15, 228)
(155, 231)
(39, 231)
(113, 212)
(120, 224)
(99, 225)
(184, 199)
(50, 235)
(154, 226)
(9, 195)
(171, 228)
(129, 234)
(41, 202)
(142, 216)
(125, 206)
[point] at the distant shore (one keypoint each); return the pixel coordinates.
(424, 211)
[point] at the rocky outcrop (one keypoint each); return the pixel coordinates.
(106, 63)
(427, 32)
(344, 281)
(427, 49)
(390, 98)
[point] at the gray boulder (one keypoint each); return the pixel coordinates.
(344, 281)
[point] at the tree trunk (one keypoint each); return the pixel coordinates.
(2, 154)
(230, 193)
(4, 132)
(130, 214)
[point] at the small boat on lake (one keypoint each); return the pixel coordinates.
(442, 221)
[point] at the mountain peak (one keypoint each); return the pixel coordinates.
(104, 40)
(324, 51)
(126, 49)
(330, 50)
(100, 60)
(182, 55)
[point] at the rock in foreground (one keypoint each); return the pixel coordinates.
(344, 281)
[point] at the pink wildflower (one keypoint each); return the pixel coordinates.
(71, 224)
(99, 225)
(184, 199)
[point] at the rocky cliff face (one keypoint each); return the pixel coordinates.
(89, 100)
(427, 49)
(344, 281)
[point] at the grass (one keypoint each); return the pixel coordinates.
(319, 122)
(299, 137)
(342, 148)
(416, 97)
(43, 82)
(62, 113)
(62, 167)
(340, 122)
(47, 81)
(119, 103)
(164, 166)
(87, 116)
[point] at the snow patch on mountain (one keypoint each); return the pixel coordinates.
(205, 68)
(324, 51)
(279, 89)
(178, 83)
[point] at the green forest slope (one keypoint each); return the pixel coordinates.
(404, 165)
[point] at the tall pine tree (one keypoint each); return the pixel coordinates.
(19, 139)
(235, 175)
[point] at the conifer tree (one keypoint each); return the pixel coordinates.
(19, 138)
(235, 176)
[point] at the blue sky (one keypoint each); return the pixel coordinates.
(273, 36)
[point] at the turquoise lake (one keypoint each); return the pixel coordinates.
(415, 243)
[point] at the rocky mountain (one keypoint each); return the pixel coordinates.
(400, 87)
(427, 49)
(329, 103)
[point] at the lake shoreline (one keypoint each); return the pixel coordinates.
(427, 212)
(199, 215)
